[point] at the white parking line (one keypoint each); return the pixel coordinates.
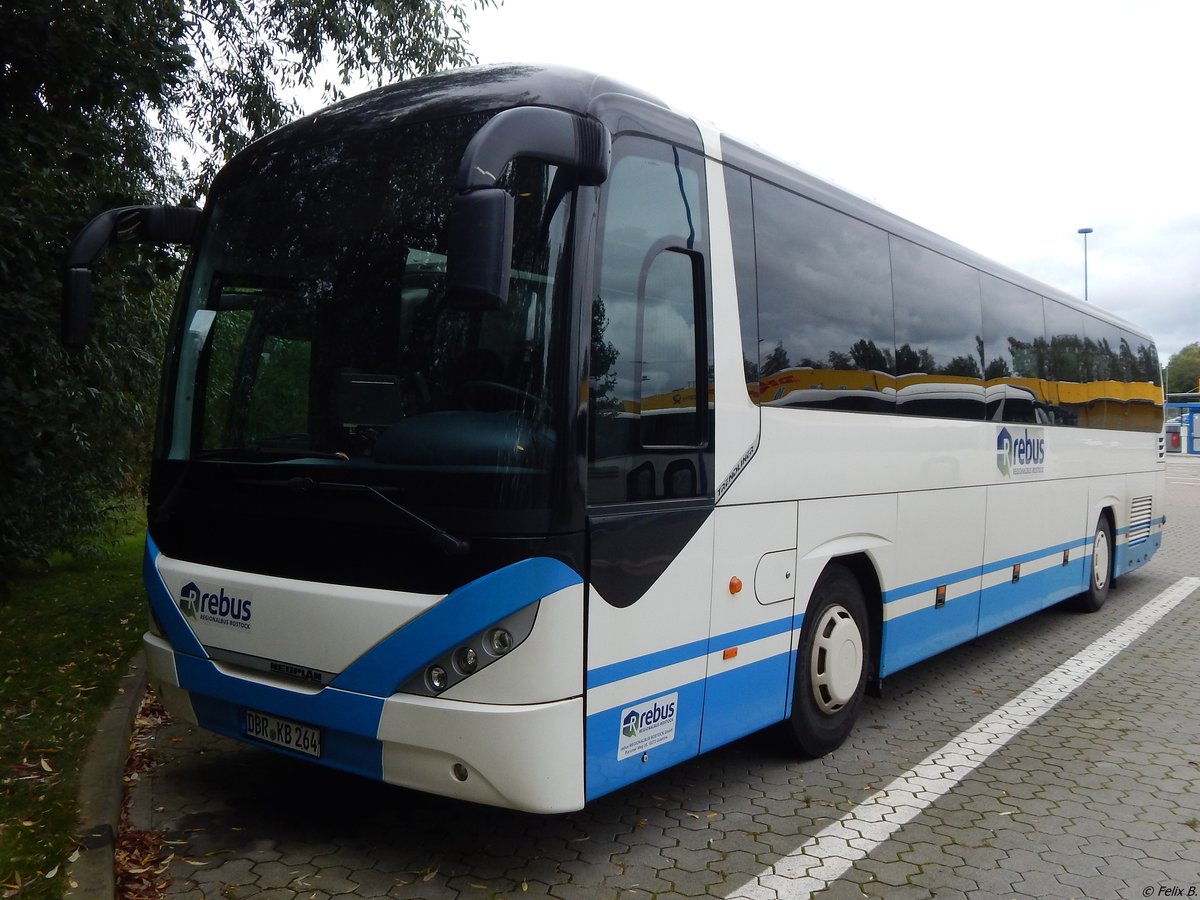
(833, 851)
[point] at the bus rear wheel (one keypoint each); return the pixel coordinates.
(832, 663)
(1100, 571)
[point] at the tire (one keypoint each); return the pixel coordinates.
(832, 663)
(1100, 571)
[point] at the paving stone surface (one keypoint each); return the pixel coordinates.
(1099, 798)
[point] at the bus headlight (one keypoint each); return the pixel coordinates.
(476, 653)
(466, 659)
(500, 640)
(437, 679)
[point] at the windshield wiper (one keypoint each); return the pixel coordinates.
(439, 537)
(443, 540)
(254, 451)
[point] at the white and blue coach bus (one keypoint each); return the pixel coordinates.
(521, 437)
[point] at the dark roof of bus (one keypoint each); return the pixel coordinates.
(475, 89)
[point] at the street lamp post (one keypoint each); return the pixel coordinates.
(1085, 232)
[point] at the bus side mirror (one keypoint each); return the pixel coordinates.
(479, 249)
(124, 225)
(76, 307)
(480, 231)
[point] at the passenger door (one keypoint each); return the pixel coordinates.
(650, 490)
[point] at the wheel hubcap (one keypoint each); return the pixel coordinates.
(1100, 559)
(837, 659)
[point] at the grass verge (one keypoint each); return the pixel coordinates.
(65, 638)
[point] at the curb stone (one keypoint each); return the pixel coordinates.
(102, 789)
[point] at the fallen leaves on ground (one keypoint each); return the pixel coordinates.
(142, 860)
(142, 857)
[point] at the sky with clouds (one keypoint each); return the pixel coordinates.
(1005, 127)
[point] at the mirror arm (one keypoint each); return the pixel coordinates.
(557, 137)
(123, 225)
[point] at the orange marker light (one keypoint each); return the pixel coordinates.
(735, 585)
(730, 653)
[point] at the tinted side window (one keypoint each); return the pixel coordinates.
(650, 434)
(1063, 363)
(825, 306)
(1014, 344)
(1144, 411)
(939, 334)
(1103, 360)
(1105, 368)
(1146, 366)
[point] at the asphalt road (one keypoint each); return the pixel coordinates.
(1095, 793)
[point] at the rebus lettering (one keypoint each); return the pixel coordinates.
(223, 606)
(1029, 451)
(658, 714)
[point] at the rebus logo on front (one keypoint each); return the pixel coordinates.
(209, 606)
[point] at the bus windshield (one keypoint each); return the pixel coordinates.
(315, 330)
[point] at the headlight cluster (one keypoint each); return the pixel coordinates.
(477, 652)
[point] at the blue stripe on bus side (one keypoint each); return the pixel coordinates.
(930, 584)
(1154, 523)
(650, 662)
(660, 659)
(743, 700)
(917, 632)
(1023, 558)
(1007, 602)
(926, 631)
(1127, 557)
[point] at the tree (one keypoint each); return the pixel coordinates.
(93, 94)
(776, 361)
(868, 357)
(1183, 370)
(248, 56)
(909, 361)
(963, 367)
(603, 363)
(75, 98)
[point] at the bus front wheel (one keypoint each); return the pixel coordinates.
(1100, 571)
(832, 663)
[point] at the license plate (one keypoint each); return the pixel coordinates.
(284, 733)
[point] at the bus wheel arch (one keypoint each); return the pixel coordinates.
(837, 655)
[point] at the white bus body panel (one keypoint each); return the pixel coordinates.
(320, 626)
(521, 757)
